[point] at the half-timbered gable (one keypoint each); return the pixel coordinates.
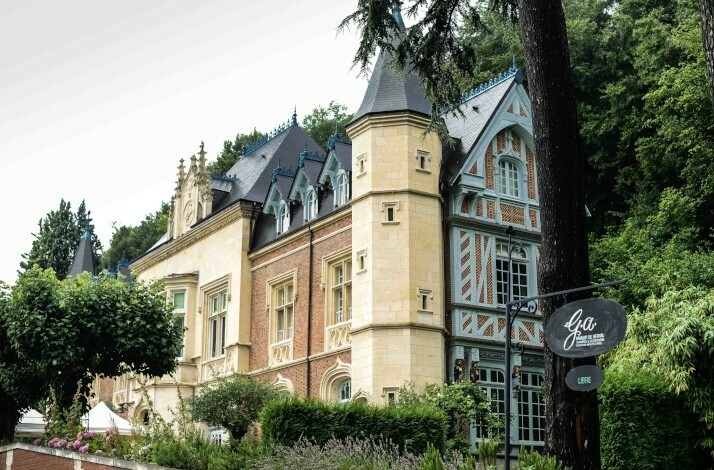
(492, 186)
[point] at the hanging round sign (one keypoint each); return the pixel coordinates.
(584, 378)
(586, 328)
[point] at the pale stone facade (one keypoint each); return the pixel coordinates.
(342, 275)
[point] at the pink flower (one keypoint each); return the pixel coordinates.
(99, 452)
(77, 444)
(37, 441)
(84, 449)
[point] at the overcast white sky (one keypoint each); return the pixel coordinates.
(100, 99)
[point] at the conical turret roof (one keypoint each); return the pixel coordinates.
(83, 257)
(391, 91)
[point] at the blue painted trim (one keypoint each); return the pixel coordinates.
(247, 149)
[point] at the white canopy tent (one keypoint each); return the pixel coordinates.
(99, 419)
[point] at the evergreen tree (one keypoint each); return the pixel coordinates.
(322, 122)
(232, 151)
(130, 242)
(57, 240)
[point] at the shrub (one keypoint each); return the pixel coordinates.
(461, 403)
(337, 454)
(644, 425)
(411, 428)
(533, 460)
(233, 403)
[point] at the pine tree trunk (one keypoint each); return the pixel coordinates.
(572, 424)
(706, 8)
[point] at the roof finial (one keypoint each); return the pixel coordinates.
(294, 122)
(87, 233)
(513, 66)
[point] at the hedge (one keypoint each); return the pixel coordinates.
(412, 429)
(643, 425)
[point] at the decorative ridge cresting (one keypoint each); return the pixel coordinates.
(223, 177)
(247, 149)
(312, 156)
(498, 79)
(279, 171)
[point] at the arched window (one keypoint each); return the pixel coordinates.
(508, 178)
(311, 207)
(342, 189)
(344, 391)
(283, 219)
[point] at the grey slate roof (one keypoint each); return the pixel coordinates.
(344, 154)
(390, 91)
(468, 128)
(312, 170)
(284, 148)
(83, 257)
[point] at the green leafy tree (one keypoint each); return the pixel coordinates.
(673, 337)
(59, 333)
(706, 8)
(322, 122)
(436, 50)
(233, 403)
(462, 404)
(130, 242)
(57, 240)
(232, 151)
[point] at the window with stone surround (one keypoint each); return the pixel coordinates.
(425, 296)
(216, 299)
(217, 307)
(361, 164)
(389, 212)
(423, 161)
(178, 302)
(337, 282)
(281, 295)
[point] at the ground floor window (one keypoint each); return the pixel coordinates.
(531, 408)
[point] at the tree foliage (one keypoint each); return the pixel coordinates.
(673, 337)
(233, 403)
(232, 151)
(57, 239)
(59, 333)
(461, 403)
(322, 122)
(130, 242)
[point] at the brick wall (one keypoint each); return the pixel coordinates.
(29, 457)
(283, 258)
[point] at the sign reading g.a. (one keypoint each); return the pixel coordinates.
(586, 328)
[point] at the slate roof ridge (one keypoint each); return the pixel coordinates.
(279, 129)
(482, 88)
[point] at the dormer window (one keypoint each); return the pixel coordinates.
(508, 178)
(342, 189)
(283, 219)
(311, 207)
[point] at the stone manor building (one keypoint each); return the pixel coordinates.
(342, 273)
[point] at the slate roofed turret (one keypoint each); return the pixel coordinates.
(391, 91)
(83, 257)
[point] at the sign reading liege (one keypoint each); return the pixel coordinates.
(586, 328)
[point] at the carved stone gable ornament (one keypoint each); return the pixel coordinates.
(586, 328)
